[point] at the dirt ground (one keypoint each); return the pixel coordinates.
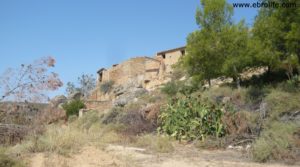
(120, 156)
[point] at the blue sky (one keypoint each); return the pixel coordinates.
(85, 35)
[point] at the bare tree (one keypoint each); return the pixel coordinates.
(86, 84)
(29, 82)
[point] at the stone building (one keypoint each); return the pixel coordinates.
(142, 72)
(170, 57)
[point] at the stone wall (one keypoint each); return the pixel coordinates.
(170, 57)
(98, 105)
(152, 70)
(125, 71)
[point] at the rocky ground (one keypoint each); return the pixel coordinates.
(114, 155)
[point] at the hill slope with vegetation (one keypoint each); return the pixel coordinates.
(250, 119)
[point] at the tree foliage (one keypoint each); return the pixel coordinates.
(220, 47)
(277, 30)
(29, 82)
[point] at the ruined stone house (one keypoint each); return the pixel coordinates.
(144, 72)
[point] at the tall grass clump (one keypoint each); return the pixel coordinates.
(276, 142)
(279, 139)
(8, 161)
(280, 102)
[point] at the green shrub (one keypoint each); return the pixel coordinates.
(276, 142)
(177, 74)
(106, 87)
(189, 118)
(280, 102)
(73, 107)
(292, 85)
(183, 87)
(170, 88)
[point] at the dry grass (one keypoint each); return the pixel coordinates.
(276, 142)
(66, 139)
(7, 160)
(157, 143)
(235, 94)
(280, 102)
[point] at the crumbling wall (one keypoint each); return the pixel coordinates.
(152, 68)
(139, 72)
(98, 105)
(170, 58)
(124, 72)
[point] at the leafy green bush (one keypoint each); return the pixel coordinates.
(189, 118)
(106, 87)
(73, 107)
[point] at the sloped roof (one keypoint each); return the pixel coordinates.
(102, 69)
(171, 50)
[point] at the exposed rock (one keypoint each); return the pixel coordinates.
(119, 90)
(75, 96)
(290, 116)
(226, 100)
(263, 109)
(239, 148)
(223, 99)
(82, 112)
(57, 101)
(128, 95)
